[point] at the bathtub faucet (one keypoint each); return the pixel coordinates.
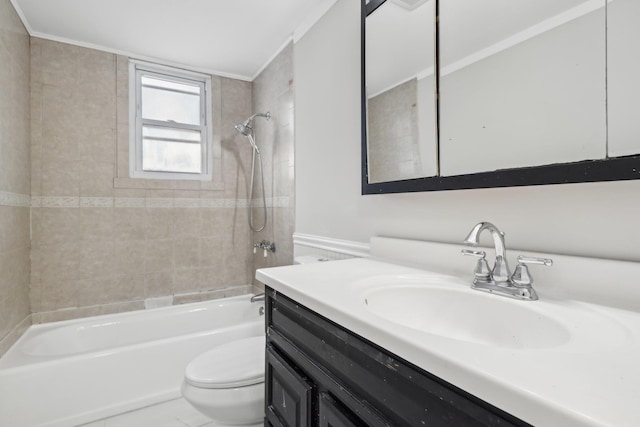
(258, 297)
(266, 246)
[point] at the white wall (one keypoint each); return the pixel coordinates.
(599, 219)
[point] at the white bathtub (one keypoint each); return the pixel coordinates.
(77, 371)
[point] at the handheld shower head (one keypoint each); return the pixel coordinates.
(245, 127)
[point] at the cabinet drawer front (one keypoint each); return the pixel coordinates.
(402, 393)
(288, 395)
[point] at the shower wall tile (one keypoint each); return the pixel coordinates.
(158, 283)
(15, 176)
(273, 91)
(103, 242)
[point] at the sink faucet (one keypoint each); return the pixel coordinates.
(500, 272)
(500, 280)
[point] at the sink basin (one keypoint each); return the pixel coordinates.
(459, 313)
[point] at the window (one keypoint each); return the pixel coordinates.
(170, 130)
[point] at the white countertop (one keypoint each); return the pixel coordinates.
(591, 380)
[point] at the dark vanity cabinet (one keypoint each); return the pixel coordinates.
(320, 374)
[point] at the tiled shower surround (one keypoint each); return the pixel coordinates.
(14, 177)
(102, 242)
(273, 92)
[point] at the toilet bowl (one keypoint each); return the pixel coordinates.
(226, 383)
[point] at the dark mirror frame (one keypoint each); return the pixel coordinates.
(610, 169)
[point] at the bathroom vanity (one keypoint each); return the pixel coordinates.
(388, 342)
(319, 373)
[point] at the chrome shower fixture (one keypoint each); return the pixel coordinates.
(266, 246)
(246, 129)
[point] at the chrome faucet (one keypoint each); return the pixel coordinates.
(499, 280)
(500, 272)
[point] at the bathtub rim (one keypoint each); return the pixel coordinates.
(40, 360)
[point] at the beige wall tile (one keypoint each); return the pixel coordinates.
(96, 179)
(158, 283)
(130, 257)
(57, 226)
(61, 178)
(186, 280)
(130, 224)
(109, 290)
(59, 64)
(186, 253)
(186, 223)
(225, 293)
(97, 259)
(96, 224)
(159, 223)
(59, 108)
(14, 228)
(212, 222)
(273, 91)
(97, 145)
(186, 298)
(158, 256)
(86, 260)
(129, 287)
(60, 262)
(211, 253)
(58, 294)
(212, 278)
(97, 73)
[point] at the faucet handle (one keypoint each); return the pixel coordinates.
(531, 260)
(477, 254)
(521, 276)
(482, 271)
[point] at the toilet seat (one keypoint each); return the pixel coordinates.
(238, 363)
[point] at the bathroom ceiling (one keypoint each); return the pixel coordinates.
(234, 38)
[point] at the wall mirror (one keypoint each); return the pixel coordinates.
(521, 93)
(400, 91)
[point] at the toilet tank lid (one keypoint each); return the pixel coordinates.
(234, 364)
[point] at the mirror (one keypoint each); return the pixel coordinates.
(623, 69)
(522, 98)
(526, 90)
(400, 90)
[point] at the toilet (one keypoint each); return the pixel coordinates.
(226, 383)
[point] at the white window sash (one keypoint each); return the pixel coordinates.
(136, 71)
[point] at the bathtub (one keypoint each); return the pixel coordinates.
(74, 372)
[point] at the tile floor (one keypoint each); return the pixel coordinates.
(173, 413)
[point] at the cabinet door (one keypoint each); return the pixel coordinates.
(288, 394)
(333, 414)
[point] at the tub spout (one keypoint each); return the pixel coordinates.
(258, 297)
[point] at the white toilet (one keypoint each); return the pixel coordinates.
(227, 382)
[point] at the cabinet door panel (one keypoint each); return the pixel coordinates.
(333, 414)
(288, 394)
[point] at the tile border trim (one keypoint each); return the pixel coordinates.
(136, 202)
(8, 198)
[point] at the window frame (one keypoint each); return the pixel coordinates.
(138, 69)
